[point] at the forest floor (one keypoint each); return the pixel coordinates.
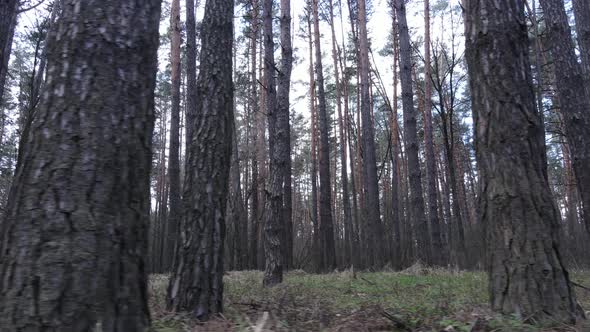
(417, 299)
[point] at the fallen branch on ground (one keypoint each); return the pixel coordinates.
(397, 321)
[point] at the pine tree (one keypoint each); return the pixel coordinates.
(74, 238)
(196, 284)
(526, 272)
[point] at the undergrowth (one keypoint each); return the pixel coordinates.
(417, 299)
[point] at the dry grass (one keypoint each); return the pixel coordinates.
(417, 299)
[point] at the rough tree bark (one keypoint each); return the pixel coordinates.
(375, 234)
(8, 13)
(410, 135)
(174, 152)
(74, 240)
(283, 125)
(196, 282)
(574, 97)
(327, 245)
(273, 215)
(526, 273)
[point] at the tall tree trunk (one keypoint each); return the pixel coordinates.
(74, 239)
(355, 254)
(191, 71)
(343, 162)
(174, 153)
(236, 211)
(446, 206)
(254, 204)
(410, 135)
(328, 249)
(357, 164)
(526, 273)
(395, 151)
(316, 255)
(161, 210)
(283, 125)
(437, 249)
(539, 69)
(457, 250)
(574, 97)
(356, 247)
(236, 217)
(273, 216)
(262, 154)
(196, 281)
(375, 240)
(8, 14)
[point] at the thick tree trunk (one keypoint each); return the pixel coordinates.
(574, 97)
(375, 235)
(328, 249)
(284, 127)
(174, 153)
(196, 281)
(8, 13)
(410, 135)
(273, 214)
(526, 273)
(74, 239)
